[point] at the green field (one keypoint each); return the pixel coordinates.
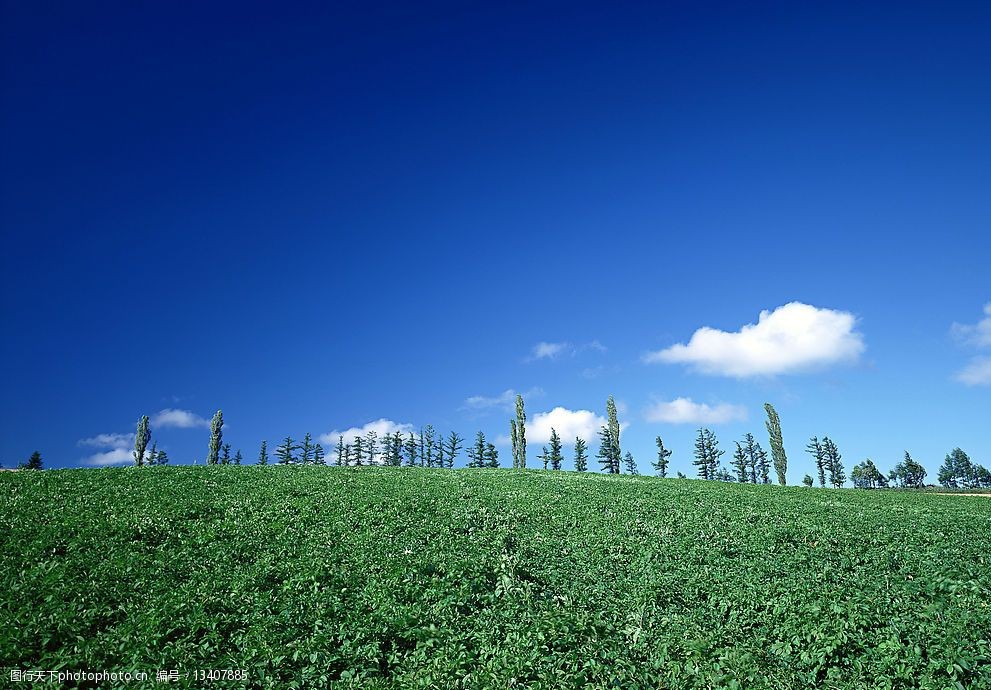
(317, 577)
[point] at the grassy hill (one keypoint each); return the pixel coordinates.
(385, 577)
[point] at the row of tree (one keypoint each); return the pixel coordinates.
(750, 462)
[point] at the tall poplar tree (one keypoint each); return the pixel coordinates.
(518, 427)
(778, 457)
(581, 455)
(141, 438)
(613, 420)
(661, 466)
(216, 437)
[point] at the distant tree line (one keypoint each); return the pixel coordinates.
(750, 462)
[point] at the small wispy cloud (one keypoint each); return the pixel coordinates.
(686, 411)
(107, 441)
(976, 373)
(546, 350)
(978, 335)
(178, 419)
(504, 401)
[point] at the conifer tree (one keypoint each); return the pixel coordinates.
(778, 457)
(306, 449)
(741, 463)
(544, 456)
(410, 447)
(33, 463)
(815, 449)
(832, 462)
(491, 456)
(519, 437)
(285, 452)
(661, 466)
(358, 452)
(751, 450)
(340, 451)
(631, 464)
(707, 454)
(581, 455)
(807, 480)
(348, 454)
(371, 446)
(263, 454)
(555, 456)
(225, 459)
(476, 453)
(152, 454)
(909, 473)
(760, 462)
(608, 454)
(452, 446)
(238, 457)
(163, 458)
(318, 455)
(216, 436)
(141, 438)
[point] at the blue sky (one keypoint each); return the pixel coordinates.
(318, 216)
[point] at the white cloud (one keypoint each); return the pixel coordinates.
(180, 419)
(116, 456)
(792, 338)
(119, 452)
(978, 334)
(684, 411)
(381, 427)
(978, 370)
(544, 350)
(108, 441)
(976, 373)
(505, 400)
(567, 423)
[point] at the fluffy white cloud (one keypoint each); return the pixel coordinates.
(567, 423)
(505, 400)
(116, 456)
(119, 452)
(108, 441)
(685, 411)
(381, 427)
(977, 373)
(978, 334)
(180, 419)
(793, 337)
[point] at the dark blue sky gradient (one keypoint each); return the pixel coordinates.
(317, 215)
